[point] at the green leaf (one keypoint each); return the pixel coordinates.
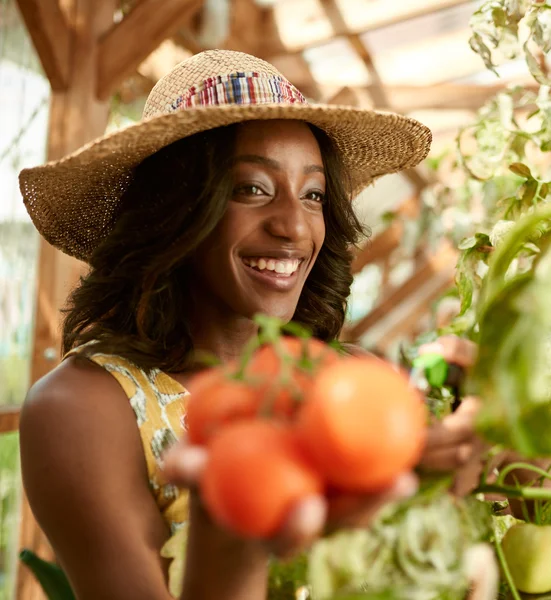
(51, 577)
(479, 47)
(467, 243)
(286, 577)
(529, 190)
(520, 169)
(434, 367)
(534, 67)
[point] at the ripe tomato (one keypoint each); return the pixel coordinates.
(363, 424)
(255, 473)
(279, 391)
(215, 400)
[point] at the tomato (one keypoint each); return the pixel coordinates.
(527, 550)
(216, 399)
(363, 424)
(280, 394)
(255, 473)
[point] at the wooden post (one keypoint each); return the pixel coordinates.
(76, 117)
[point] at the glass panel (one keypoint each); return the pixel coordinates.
(24, 99)
(361, 15)
(425, 50)
(301, 22)
(10, 489)
(336, 63)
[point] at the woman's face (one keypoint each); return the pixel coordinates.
(260, 254)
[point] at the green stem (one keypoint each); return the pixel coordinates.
(505, 569)
(527, 493)
(491, 453)
(521, 465)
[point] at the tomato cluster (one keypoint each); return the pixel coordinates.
(299, 419)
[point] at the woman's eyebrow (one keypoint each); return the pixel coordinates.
(274, 164)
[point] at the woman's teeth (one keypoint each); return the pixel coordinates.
(281, 267)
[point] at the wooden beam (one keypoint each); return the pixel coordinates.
(408, 98)
(427, 269)
(386, 242)
(407, 325)
(377, 88)
(340, 27)
(378, 249)
(188, 41)
(50, 34)
(128, 43)
(9, 418)
(76, 117)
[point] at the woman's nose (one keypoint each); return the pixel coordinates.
(288, 219)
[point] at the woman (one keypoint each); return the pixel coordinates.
(231, 197)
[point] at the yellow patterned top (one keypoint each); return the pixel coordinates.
(158, 402)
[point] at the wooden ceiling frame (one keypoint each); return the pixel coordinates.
(51, 36)
(429, 266)
(377, 88)
(128, 43)
(343, 30)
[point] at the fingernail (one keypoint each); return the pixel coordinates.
(310, 515)
(406, 485)
(431, 348)
(186, 462)
(464, 452)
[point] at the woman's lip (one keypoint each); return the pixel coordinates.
(277, 281)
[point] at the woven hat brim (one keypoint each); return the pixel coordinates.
(73, 201)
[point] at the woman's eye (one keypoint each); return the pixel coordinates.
(250, 190)
(315, 197)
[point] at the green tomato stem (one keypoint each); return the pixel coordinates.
(521, 465)
(505, 569)
(527, 493)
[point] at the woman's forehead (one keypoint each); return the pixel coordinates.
(277, 138)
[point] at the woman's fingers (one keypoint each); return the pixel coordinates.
(347, 510)
(315, 515)
(305, 522)
(183, 464)
(448, 458)
(453, 349)
(455, 428)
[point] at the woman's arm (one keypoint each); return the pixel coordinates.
(221, 566)
(86, 479)
(85, 476)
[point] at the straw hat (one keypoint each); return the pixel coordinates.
(73, 201)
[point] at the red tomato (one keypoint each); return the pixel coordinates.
(363, 424)
(215, 400)
(255, 473)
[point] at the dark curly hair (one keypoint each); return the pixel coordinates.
(133, 300)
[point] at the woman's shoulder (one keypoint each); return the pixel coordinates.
(76, 390)
(74, 377)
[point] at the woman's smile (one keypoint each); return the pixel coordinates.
(277, 273)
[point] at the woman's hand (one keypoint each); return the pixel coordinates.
(452, 444)
(309, 518)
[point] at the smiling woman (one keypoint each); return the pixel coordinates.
(231, 198)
